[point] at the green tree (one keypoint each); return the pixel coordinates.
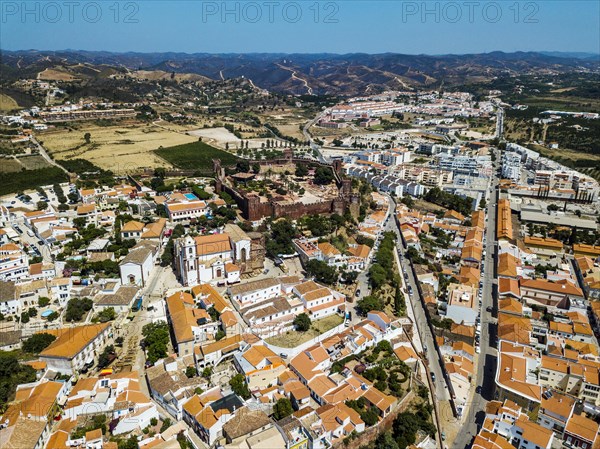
(129, 443)
(156, 339)
(369, 303)
(280, 241)
(239, 386)
(319, 225)
(38, 342)
(377, 275)
(73, 196)
(106, 315)
(190, 372)
(156, 352)
(370, 417)
(384, 346)
(24, 317)
(399, 302)
(243, 166)
(322, 272)
(12, 373)
(282, 409)
(77, 307)
(106, 356)
(301, 170)
(386, 440)
(302, 322)
(87, 137)
(165, 425)
(43, 301)
(323, 176)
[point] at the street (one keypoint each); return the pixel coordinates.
(486, 363)
(425, 336)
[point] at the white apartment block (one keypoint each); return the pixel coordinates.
(511, 166)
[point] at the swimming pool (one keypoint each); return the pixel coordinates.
(190, 196)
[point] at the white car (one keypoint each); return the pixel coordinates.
(477, 350)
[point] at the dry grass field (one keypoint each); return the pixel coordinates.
(291, 130)
(9, 165)
(121, 148)
(565, 153)
(7, 103)
(292, 339)
(33, 162)
(216, 136)
(288, 122)
(155, 75)
(55, 75)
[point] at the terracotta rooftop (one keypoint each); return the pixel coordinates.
(582, 427)
(71, 341)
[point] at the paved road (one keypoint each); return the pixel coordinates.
(426, 337)
(307, 136)
(45, 155)
(500, 123)
(486, 365)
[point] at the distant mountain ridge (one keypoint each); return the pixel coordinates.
(324, 73)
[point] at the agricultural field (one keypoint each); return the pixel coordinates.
(119, 148)
(196, 155)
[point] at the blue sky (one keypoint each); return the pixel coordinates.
(431, 27)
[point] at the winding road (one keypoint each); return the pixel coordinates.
(309, 90)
